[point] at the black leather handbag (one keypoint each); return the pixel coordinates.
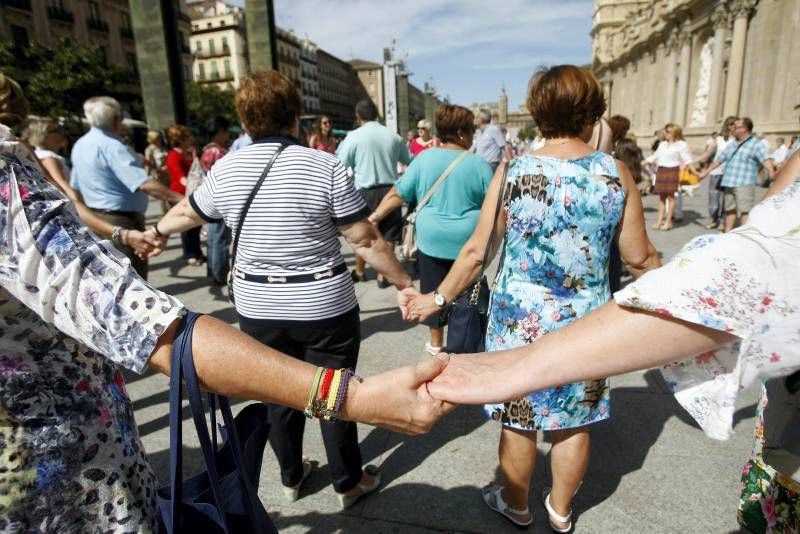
(468, 315)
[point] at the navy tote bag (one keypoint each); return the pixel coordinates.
(224, 497)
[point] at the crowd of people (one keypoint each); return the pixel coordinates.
(77, 306)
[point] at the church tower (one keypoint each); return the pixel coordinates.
(502, 107)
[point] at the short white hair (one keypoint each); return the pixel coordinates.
(102, 111)
(424, 123)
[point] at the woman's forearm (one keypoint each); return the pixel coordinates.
(609, 341)
(788, 173)
(179, 218)
(232, 363)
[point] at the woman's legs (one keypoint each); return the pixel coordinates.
(569, 458)
(437, 336)
(670, 212)
(517, 453)
(661, 200)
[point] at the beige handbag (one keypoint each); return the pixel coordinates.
(408, 244)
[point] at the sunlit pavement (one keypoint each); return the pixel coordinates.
(652, 469)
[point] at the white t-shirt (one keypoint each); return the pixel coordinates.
(43, 154)
(722, 143)
(671, 154)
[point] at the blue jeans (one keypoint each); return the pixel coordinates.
(219, 258)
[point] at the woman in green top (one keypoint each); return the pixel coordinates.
(449, 218)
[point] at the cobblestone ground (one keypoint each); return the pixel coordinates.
(652, 469)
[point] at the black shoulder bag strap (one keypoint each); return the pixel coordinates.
(243, 214)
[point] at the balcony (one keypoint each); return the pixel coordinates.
(126, 33)
(59, 13)
(209, 54)
(22, 5)
(97, 25)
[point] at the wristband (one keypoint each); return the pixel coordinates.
(155, 230)
(115, 233)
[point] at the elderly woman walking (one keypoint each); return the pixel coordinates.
(563, 205)
(293, 291)
(449, 217)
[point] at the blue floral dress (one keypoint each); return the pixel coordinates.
(72, 313)
(561, 216)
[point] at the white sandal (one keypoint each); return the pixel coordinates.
(492, 492)
(555, 515)
(349, 500)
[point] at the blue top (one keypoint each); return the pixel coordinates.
(241, 142)
(489, 143)
(372, 152)
(449, 218)
(107, 173)
(741, 166)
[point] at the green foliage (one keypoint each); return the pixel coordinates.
(64, 77)
(528, 132)
(204, 102)
(7, 61)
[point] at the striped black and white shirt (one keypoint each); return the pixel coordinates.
(290, 229)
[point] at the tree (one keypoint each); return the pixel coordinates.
(528, 132)
(64, 77)
(205, 102)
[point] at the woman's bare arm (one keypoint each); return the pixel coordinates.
(606, 342)
(635, 248)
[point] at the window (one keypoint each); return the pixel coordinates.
(20, 37)
(130, 59)
(201, 71)
(211, 48)
(187, 73)
(214, 71)
(126, 20)
(225, 44)
(227, 67)
(198, 45)
(94, 10)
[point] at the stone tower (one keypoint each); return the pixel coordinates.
(502, 107)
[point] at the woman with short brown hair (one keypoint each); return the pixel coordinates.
(293, 290)
(444, 223)
(562, 206)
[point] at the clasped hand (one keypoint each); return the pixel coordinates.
(416, 306)
(146, 244)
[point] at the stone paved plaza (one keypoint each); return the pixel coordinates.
(652, 470)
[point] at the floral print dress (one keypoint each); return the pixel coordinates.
(72, 312)
(561, 216)
(745, 282)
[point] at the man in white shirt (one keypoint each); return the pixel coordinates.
(781, 153)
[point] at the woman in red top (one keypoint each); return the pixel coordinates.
(179, 161)
(424, 139)
(321, 137)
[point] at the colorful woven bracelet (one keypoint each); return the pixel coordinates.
(326, 384)
(331, 401)
(311, 409)
(346, 375)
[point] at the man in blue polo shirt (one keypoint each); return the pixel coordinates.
(372, 152)
(109, 176)
(742, 161)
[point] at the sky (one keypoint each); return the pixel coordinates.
(468, 50)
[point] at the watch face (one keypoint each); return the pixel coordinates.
(438, 298)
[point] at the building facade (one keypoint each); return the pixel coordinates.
(309, 76)
(339, 90)
(218, 43)
(104, 25)
(370, 76)
(694, 62)
(288, 55)
(511, 121)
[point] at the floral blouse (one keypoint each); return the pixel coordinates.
(72, 312)
(746, 282)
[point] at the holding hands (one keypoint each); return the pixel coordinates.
(416, 306)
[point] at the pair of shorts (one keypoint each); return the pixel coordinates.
(392, 225)
(739, 199)
(432, 272)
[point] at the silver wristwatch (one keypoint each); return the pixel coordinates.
(439, 299)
